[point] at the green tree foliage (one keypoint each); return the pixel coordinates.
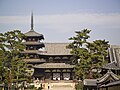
(79, 86)
(88, 56)
(12, 66)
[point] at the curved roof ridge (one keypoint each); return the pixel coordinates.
(111, 65)
(56, 42)
(32, 33)
(54, 65)
(115, 46)
(108, 75)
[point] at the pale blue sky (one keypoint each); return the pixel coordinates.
(58, 19)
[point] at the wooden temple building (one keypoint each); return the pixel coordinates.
(111, 80)
(114, 54)
(53, 61)
(50, 60)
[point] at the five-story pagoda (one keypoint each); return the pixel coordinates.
(33, 44)
(53, 62)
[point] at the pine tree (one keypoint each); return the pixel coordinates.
(12, 66)
(88, 56)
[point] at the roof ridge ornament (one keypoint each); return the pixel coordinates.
(32, 25)
(109, 71)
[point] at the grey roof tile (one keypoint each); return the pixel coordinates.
(93, 82)
(109, 75)
(30, 51)
(33, 33)
(34, 60)
(115, 54)
(112, 66)
(54, 65)
(112, 83)
(90, 82)
(32, 43)
(56, 49)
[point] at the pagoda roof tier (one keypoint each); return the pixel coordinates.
(35, 60)
(33, 43)
(30, 51)
(54, 65)
(32, 33)
(56, 49)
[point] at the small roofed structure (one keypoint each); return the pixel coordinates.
(114, 53)
(90, 84)
(107, 78)
(114, 65)
(104, 80)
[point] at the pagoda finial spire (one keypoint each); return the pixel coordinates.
(32, 25)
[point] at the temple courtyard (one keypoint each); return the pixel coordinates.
(59, 86)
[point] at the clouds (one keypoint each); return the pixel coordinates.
(14, 19)
(64, 24)
(66, 19)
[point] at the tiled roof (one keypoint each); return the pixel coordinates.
(90, 82)
(30, 51)
(111, 84)
(33, 33)
(54, 65)
(109, 75)
(51, 49)
(56, 49)
(115, 46)
(32, 43)
(114, 52)
(112, 66)
(34, 60)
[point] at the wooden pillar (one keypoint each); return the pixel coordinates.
(71, 76)
(61, 75)
(51, 75)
